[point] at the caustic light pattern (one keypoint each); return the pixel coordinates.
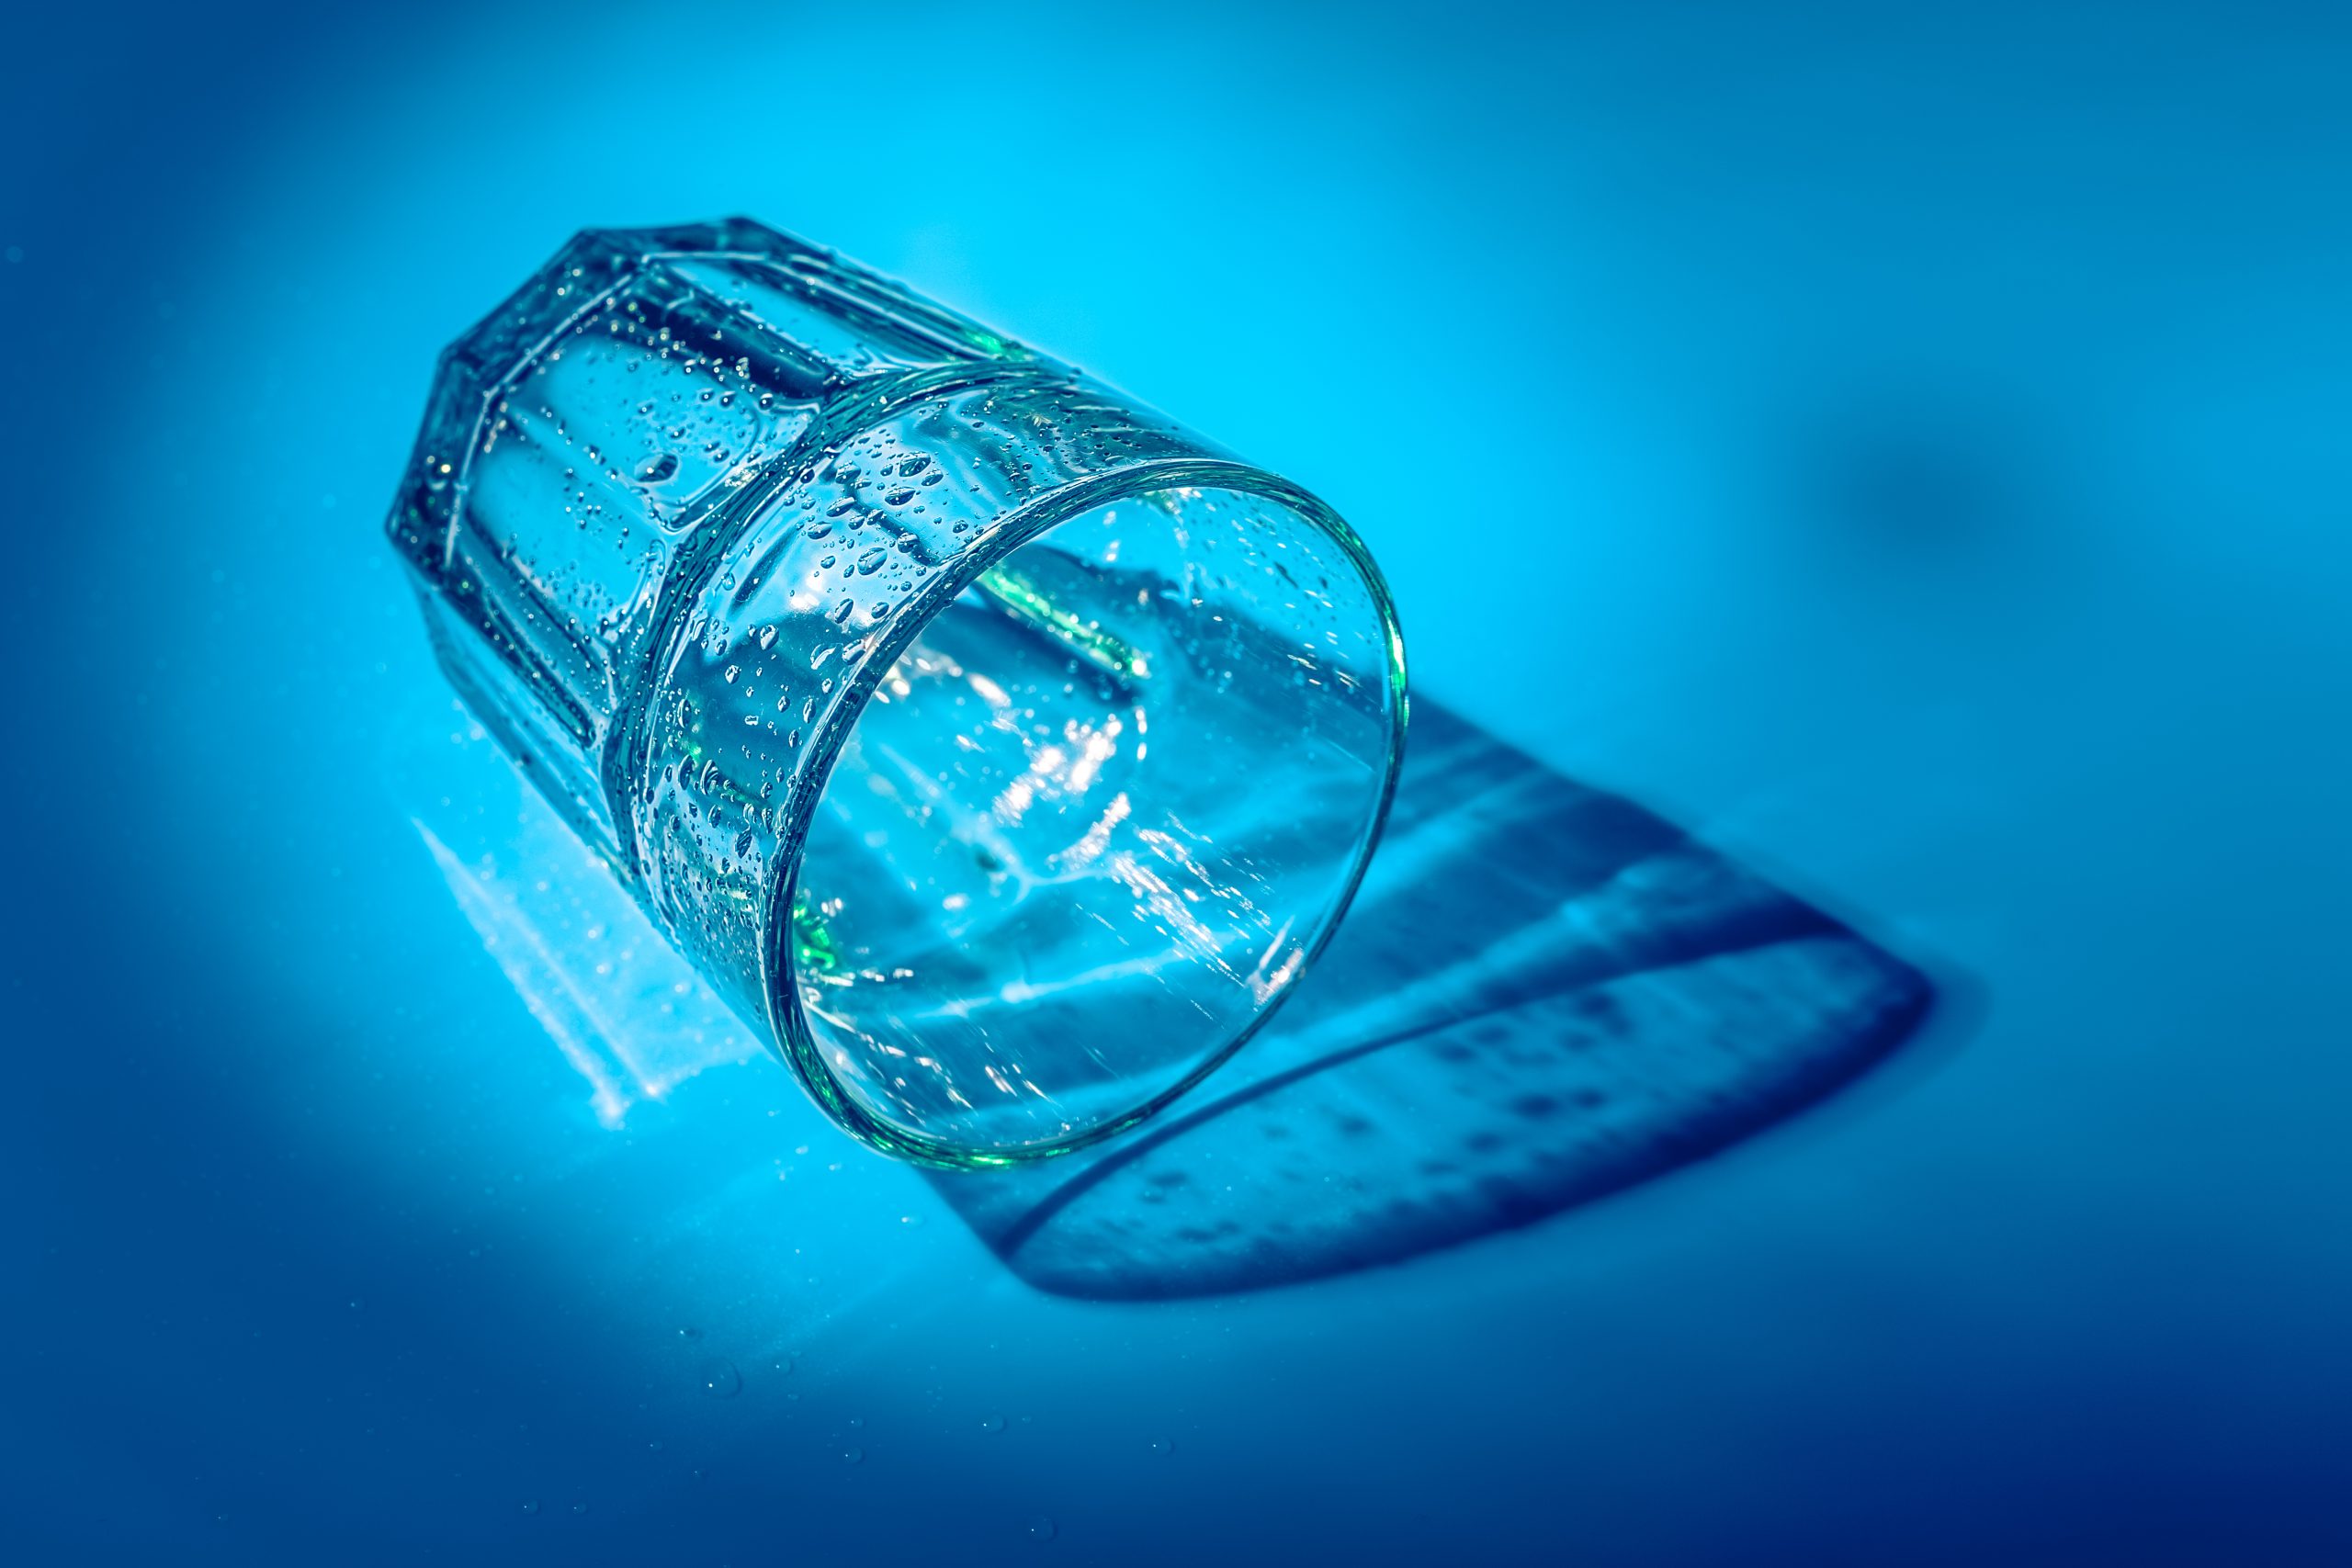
(1545, 994)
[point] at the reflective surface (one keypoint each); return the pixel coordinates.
(1495, 1037)
(1938, 418)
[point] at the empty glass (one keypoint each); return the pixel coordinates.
(1003, 750)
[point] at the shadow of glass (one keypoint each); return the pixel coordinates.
(1544, 994)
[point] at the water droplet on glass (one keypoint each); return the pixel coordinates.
(531, 1505)
(719, 1379)
(1042, 1530)
(657, 467)
(991, 1423)
(579, 1507)
(853, 1456)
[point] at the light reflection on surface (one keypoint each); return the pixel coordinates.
(629, 1014)
(1546, 994)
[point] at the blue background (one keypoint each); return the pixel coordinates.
(1908, 449)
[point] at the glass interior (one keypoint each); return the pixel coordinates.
(1094, 819)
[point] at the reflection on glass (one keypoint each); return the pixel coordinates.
(708, 523)
(1094, 821)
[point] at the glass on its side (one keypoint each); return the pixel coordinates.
(1001, 750)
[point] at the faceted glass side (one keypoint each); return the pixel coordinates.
(584, 436)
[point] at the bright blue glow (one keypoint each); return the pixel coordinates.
(1914, 451)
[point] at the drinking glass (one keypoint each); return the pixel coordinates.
(999, 749)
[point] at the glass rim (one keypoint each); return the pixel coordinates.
(786, 1020)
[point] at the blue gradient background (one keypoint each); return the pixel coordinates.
(1909, 449)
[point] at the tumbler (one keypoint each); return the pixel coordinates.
(1001, 750)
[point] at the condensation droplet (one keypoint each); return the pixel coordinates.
(853, 1456)
(718, 1378)
(1042, 1530)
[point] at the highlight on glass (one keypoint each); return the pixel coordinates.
(1001, 749)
